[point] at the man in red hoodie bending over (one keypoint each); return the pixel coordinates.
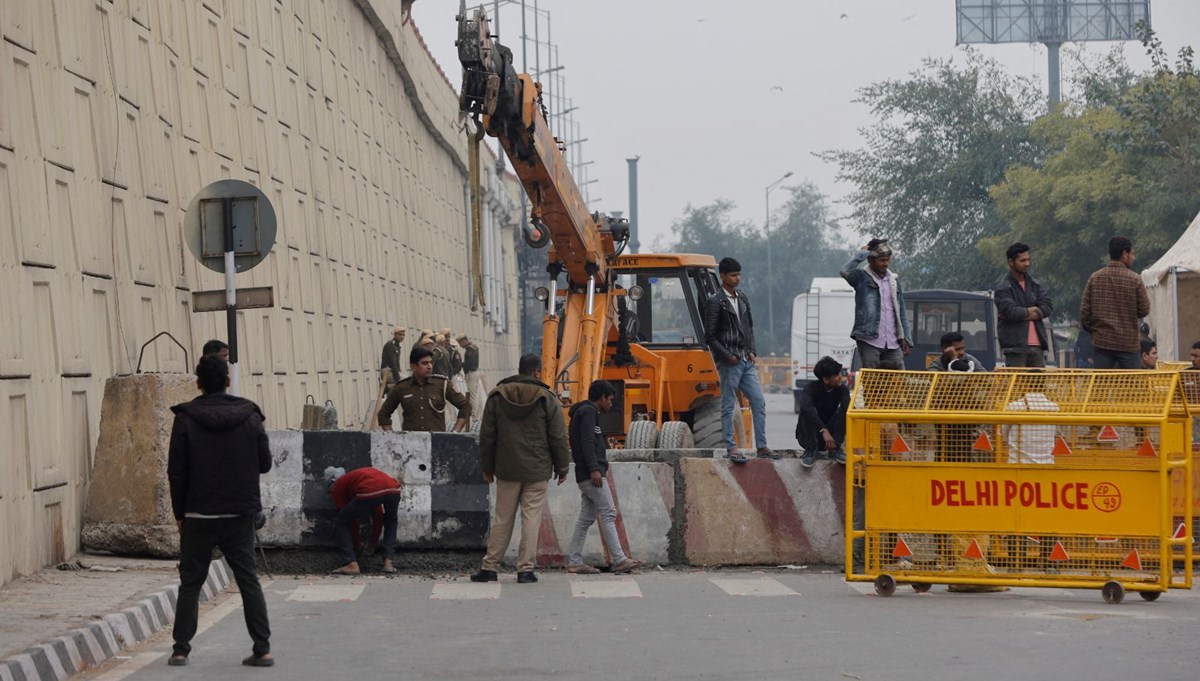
(360, 492)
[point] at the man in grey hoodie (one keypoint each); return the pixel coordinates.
(522, 442)
(590, 452)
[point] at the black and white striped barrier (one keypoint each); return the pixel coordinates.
(444, 502)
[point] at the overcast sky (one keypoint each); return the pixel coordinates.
(720, 99)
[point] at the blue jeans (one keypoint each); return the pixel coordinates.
(742, 376)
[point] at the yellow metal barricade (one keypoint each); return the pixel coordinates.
(1022, 478)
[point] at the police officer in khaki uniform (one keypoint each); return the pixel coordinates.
(441, 356)
(422, 398)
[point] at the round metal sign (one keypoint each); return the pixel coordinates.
(230, 215)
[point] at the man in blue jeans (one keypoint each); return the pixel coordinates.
(880, 320)
(729, 332)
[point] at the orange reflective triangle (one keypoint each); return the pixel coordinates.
(1107, 434)
(1147, 448)
(1060, 447)
(973, 550)
(982, 443)
(1059, 553)
(1133, 561)
(1179, 532)
(901, 550)
(899, 446)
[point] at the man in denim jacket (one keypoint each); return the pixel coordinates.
(880, 320)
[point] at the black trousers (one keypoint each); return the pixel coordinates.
(235, 538)
(354, 512)
(810, 438)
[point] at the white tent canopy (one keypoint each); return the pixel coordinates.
(1174, 287)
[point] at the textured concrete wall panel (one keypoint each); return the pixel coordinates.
(113, 116)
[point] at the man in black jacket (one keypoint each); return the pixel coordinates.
(823, 405)
(218, 450)
(590, 453)
(729, 332)
(1021, 306)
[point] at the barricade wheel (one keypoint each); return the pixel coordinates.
(921, 587)
(1149, 595)
(1113, 593)
(885, 585)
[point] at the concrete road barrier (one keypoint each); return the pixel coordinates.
(762, 512)
(443, 504)
(674, 506)
(644, 494)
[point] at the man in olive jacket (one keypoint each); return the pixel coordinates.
(522, 442)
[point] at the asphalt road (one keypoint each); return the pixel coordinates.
(727, 624)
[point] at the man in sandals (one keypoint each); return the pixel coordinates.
(590, 453)
(218, 449)
(729, 332)
(357, 494)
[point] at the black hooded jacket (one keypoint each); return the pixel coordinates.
(218, 449)
(588, 448)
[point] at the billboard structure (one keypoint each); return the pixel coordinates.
(1050, 22)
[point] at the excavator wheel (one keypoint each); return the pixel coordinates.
(706, 426)
(676, 435)
(642, 435)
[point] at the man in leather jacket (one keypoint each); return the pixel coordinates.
(1021, 306)
(729, 332)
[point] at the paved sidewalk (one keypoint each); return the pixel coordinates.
(56, 623)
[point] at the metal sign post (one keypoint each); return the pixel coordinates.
(231, 296)
(230, 227)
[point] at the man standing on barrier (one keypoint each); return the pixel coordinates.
(729, 332)
(880, 320)
(1114, 299)
(821, 426)
(357, 494)
(1021, 306)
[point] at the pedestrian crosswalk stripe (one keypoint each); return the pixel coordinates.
(327, 592)
(763, 586)
(465, 591)
(605, 588)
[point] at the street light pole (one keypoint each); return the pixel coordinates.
(770, 275)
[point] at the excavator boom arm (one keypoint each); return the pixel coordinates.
(511, 109)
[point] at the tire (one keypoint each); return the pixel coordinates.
(676, 435)
(707, 432)
(642, 435)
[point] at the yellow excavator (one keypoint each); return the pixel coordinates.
(634, 320)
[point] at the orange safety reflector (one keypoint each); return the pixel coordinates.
(901, 550)
(1147, 448)
(973, 550)
(1059, 553)
(899, 446)
(1133, 561)
(1180, 533)
(982, 443)
(1107, 434)
(1060, 447)
(1106, 540)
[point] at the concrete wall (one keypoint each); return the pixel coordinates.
(113, 114)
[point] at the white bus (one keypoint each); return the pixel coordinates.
(821, 323)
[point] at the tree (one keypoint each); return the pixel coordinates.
(940, 140)
(803, 241)
(1126, 160)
